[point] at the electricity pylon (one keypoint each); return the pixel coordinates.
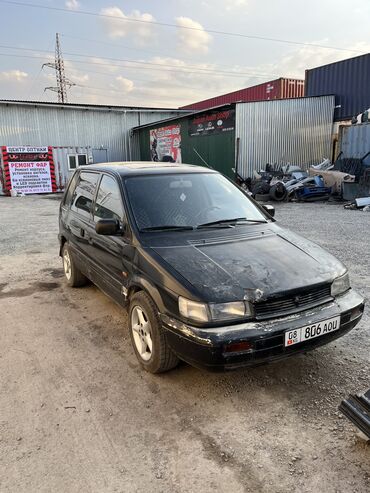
(63, 84)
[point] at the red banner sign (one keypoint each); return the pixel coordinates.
(29, 169)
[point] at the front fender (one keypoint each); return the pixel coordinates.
(152, 290)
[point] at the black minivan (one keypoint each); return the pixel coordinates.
(209, 276)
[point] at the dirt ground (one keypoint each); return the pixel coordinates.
(77, 414)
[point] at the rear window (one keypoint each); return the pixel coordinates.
(83, 194)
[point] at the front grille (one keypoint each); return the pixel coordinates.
(293, 303)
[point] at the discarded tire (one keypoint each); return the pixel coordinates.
(261, 187)
(262, 197)
(278, 192)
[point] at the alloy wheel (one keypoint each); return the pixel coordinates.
(142, 333)
(67, 264)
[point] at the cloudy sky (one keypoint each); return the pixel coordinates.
(164, 54)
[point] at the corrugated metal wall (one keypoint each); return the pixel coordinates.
(348, 80)
(355, 141)
(70, 126)
(274, 89)
(296, 131)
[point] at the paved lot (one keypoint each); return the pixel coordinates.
(78, 415)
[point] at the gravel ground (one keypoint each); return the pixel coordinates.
(77, 414)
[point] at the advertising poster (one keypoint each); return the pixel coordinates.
(214, 122)
(29, 169)
(165, 144)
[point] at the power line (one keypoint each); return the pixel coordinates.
(127, 60)
(161, 68)
(152, 52)
(147, 81)
(167, 24)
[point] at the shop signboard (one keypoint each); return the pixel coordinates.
(165, 144)
(210, 123)
(28, 169)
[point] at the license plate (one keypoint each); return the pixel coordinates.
(307, 332)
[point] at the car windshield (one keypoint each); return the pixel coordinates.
(189, 201)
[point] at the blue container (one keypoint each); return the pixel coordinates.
(348, 80)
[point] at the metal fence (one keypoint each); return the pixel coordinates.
(355, 141)
(296, 131)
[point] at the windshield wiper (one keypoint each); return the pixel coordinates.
(168, 227)
(233, 221)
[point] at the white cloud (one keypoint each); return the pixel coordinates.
(126, 85)
(73, 4)
(13, 75)
(235, 4)
(225, 4)
(192, 39)
(141, 33)
(298, 60)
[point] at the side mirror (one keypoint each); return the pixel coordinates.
(107, 227)
(270, 209)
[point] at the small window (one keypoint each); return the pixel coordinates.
(82, 159)
(83, 195)
(76, 160)
(108, 202)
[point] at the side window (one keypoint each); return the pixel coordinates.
(70, 189)
(108, 203)
(83, 195)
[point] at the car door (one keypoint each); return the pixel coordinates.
(80, 219)
(112, 255)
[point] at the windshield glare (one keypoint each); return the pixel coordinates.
(188, 199)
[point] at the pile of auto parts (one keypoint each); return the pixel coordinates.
(359, 203)
(357, 409)
(289, 182)
(307, 189)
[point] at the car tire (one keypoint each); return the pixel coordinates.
(148, 336)
(72, 273)
(262, 197)
(278, 192)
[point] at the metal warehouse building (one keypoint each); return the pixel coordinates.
(77, 133)
(249, 135)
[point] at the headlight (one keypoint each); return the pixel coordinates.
(229, 311)
(340, 285)
(193, 310)
(201, 312)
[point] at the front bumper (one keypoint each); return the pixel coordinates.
(207, 348)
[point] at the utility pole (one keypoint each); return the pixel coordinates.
(62, 82)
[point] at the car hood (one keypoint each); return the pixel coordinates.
(251, 266)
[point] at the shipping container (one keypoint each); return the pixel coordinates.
(275, 89)
(348, 80)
